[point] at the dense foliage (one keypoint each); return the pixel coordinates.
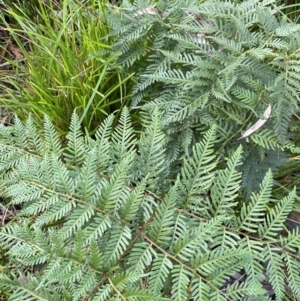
(60, 62)
(215, 63)
(183, 206)
(107, 219)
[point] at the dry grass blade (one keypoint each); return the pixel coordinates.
(257, 124)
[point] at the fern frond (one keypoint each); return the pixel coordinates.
(254, 212)
(84, 286)
(191, 244)
(19, 132)
(237, 291)
(24, 288)
(113, 191)
(265, 138)
(227, 186)
(131, 205)
(160, 270)
(291, 242)
(274, 221)
(141, 257)
(52, 139)
(118, 241)
(103, 293)
(200, 290)
(85, 180)
(28, 245)
(185, 110)
(181, 281)
(200, 169)
(123, 140)
(75, 151)
(151, 161)
(164, 219)
(293, 274)
(218, 265)
(35, 143)
(95, 259)
(97, 227)
(102, 144)
(275, 270)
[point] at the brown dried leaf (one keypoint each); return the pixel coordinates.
(15, 51)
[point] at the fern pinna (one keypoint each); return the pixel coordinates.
(216, 62)
(109, 219)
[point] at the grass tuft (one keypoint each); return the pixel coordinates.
(62, 63)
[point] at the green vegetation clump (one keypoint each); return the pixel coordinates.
(216, 63)
(153, 154)
(63, 63)
(107, 219)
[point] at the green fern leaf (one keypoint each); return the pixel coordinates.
(151, 161)
(227, 186)
(200, 169)
(123, 140)
(119, 240)
(160, 270)
(254, 212)
(275, 270)
(293, 274)
(181, 280)
(200, 290)
(52, 139)
(75, 151)
(274, 221)
(164, 219)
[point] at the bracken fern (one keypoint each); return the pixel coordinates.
(110, 219)
(216, 62)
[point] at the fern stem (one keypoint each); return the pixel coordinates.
(116, 290)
